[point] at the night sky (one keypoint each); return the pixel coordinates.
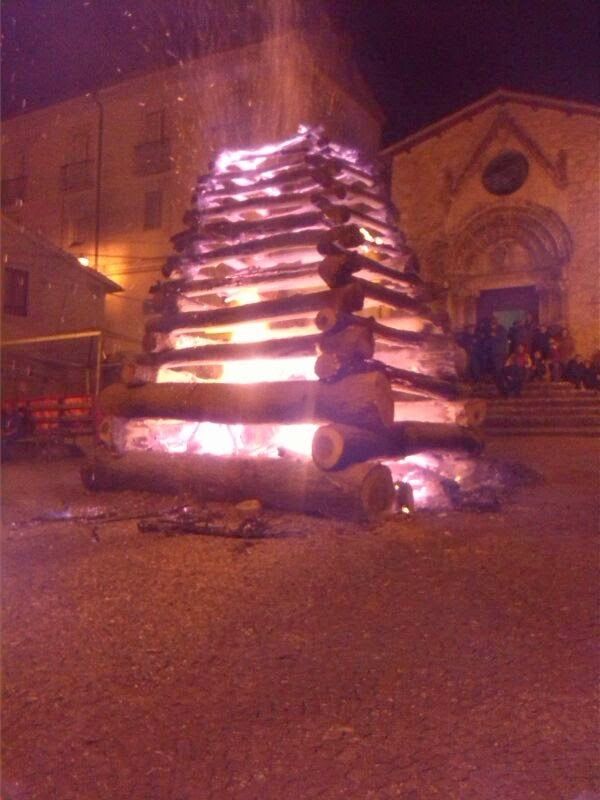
(422, 58)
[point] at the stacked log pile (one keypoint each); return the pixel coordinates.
(291, 258)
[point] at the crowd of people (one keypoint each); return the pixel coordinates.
(525, 352)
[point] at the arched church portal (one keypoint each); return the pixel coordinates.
(509, 261)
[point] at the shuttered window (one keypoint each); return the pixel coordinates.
(152, 210)
(16, 291)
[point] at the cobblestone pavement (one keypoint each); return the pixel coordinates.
(446, 656)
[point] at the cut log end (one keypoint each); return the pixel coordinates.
(327, 447)
(377, 491)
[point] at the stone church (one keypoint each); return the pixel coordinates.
(500, 203)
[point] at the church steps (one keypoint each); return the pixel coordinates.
(543, 431)
(549, 409)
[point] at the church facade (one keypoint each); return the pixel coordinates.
(500, 203)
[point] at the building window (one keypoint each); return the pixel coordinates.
(152, 210)
(13, 192)
(81, 230)
(77, 171)
(14, 182)
(506, 173)
(80, 147)
(153, 154)
(154, 126)
(16, 291)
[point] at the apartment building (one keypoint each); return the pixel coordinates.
(107, 176)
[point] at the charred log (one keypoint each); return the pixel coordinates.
(291, 346)
(348, 298)
(337, 446)
(362, 492)
(364, 400)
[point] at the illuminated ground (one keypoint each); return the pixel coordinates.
(446, 657)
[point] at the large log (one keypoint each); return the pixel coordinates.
(354, 341)
(362, 492)
(364, 399)
(332, 366)
(330, 320)
(336, 446)
(288, 347)
(193, 244)
(337, 269)
(347, 298)
(232, 231)
(308, 197)
(231, 279)
(287, 179)
(339, 164)
(433, 387)
(341, 236)
(393, 298)
(408, 407)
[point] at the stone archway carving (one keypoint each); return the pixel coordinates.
(534, 233)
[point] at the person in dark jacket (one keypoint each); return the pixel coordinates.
(540, 340)
(466, 340)
(516, 371)
(513, 334)
(538, 366)
(480, 349)
(555, 366)
(575, 371)
(566, 346)
(591, 377)
(498, 349)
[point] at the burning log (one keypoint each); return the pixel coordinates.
(362, 492)
(329, 320)
(417, 380)
(354, 341)
(289, 347)
(192, 288)
(347, 298)
(336, 446)
(392, 298)
(364, 399)
(337, 269)
(307, 197)
(279, 241)
(470, 413)
(467, 413)
(230, 231)
(340, 236)
(330, 366)
(338, 272)
(342, 165)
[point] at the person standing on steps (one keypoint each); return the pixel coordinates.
(515, 372)
(555, 366)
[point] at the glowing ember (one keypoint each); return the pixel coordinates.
(174, 436)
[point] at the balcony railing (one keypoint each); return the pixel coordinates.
(13, 191)
(152, 157)
(77, 175)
